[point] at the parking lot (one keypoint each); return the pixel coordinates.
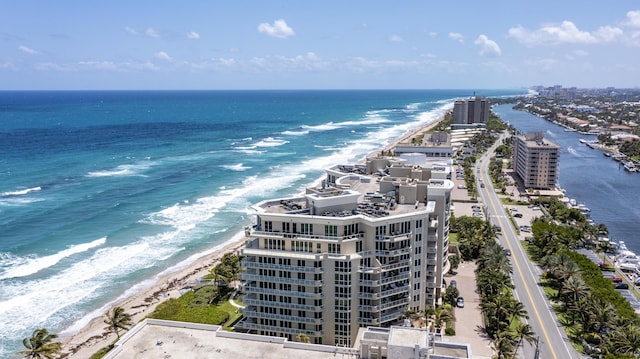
(626, 293)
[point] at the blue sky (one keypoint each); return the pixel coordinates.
(318, 44)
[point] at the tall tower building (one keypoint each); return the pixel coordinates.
(535, 160)
(472, 111)
(368, 244)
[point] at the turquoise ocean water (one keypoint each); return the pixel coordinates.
(100, 192)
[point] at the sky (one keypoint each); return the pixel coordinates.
(352, 44)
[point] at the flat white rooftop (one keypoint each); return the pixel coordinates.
(163, 339)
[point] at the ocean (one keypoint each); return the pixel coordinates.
(102, 192)
(589, 177)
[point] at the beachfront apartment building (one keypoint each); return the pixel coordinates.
(535, 160)
(470, 112)
(356, 251)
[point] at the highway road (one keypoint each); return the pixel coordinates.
(553, 341)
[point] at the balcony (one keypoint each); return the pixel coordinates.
(308, 308)
(302, 236)
(287, 318)
(394, 238)
(256, 265)
(274, 279)
(249, 324)
(391, 304)
(369, 321)
(393, 252)
(396, 290)
(396, 278)
(249, 289)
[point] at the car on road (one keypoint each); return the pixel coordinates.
(481, 185)
(525, 228)
(507, 251)
(460, 302)
(497, 228)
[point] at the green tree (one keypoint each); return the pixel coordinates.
(450, 295)
(41, 344)
(524, 332)
(454, 262)
(117, 319)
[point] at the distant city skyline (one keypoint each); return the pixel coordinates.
(67, 45)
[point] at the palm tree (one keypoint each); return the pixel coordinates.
(516, 310)
(117, 319)
(573, 288)
(41, 345)
(303, 338)
(627, 340)
(503, 344)
(524, 332)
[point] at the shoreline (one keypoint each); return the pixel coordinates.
(92, 336)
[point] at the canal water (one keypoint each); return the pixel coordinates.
(597, 181)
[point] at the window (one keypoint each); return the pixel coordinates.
(359, 246)
(331, 231)
(306, 228)
(268, 226)
(334, 248)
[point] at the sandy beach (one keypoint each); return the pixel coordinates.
(93, 336)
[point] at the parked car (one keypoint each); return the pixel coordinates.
(460, 302)
(622, 286)
(518, 215)
(616, 279)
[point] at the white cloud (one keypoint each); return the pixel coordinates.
(163, 56)
(7, 65)
(487, 47)
(27, 50)
(96, 65)
(130, 30)
(433, 34)
(307, 62)
(279, 29)
(215, 64)
(192, 35)
(633, 19)
(456, 36)
(565, 33)
(151, 32)
(395, 38)
(575, 54)
(608, 33)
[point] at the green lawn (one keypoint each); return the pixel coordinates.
(190, 308)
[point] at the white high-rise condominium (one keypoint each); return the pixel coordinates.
(368, 244)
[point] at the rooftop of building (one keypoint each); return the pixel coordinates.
(162, 339)
(357, 192)
(537, 140)
(154, 338)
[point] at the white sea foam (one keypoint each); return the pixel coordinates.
(236, 167)
(21, 192)
(30, 265)
(295, 133)
(26, 305)
(329, 126)
(271, 142)
(123, 170)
